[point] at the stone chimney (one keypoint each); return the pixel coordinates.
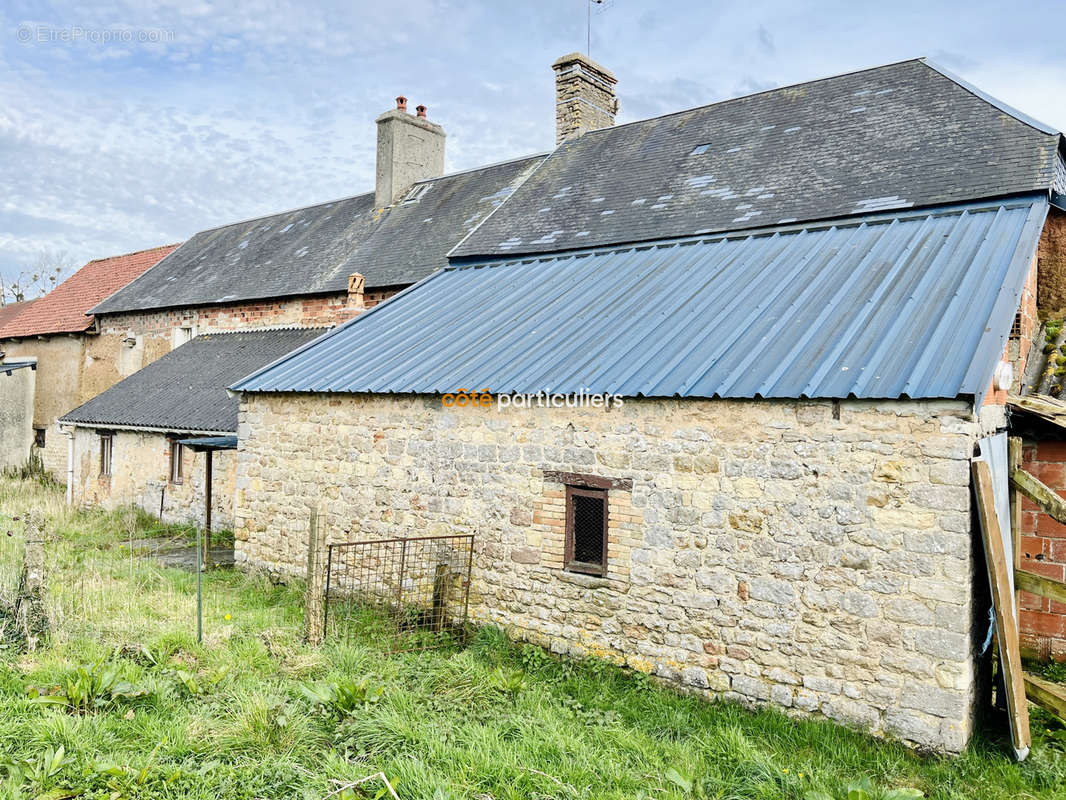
(584, 97)
(410, 149)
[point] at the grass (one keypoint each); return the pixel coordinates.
(237, 717)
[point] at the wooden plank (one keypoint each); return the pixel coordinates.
(1039, 584)
(1049, 696)
(1040, 493)
(1003, 601)
(1014, 462)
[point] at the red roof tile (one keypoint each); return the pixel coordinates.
(12, 310)
(63, 309)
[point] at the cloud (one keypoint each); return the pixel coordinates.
(199, 113)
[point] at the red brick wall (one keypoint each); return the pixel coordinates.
(1027, 325)
(1043, 551)
(131, 341)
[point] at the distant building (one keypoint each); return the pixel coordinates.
(74, 362)
(739, 358)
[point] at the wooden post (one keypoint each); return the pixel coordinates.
(207, 512)
(314, 620)
(31, 613)
(1002, 601)
(1014, 462)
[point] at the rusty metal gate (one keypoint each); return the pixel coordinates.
(412, 593)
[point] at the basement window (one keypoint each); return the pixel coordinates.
(106, 441)
(586, 530)
(39, 437)
(177, 461)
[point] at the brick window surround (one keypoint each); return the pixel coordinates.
(625, 524)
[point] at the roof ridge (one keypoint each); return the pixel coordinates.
(265, 329)
(368, 193)
(995, 102)
(284, 211)
(530, 157)
(754, 94)
(132, 253)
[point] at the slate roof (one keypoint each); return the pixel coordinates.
(185, 390)
(897, 136)
(64, 309)
(313, 250)
(914, 304)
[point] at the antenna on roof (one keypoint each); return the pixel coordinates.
(588, 28)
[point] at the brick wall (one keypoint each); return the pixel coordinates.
(130, 341)
(1043, 551)
(766, 551)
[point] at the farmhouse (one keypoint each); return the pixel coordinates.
(739, 359)
(307, 269)
(73, 362)
(126, 441)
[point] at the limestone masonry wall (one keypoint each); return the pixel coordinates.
(767, 551)
(140, 466)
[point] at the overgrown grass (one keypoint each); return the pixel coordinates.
(254, 713)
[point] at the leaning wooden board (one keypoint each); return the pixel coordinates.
(999, 570)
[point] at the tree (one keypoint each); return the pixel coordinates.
(50, 268)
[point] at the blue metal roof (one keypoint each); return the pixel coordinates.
(916, 304)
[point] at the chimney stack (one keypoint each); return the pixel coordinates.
(584, 97)
(410, 149)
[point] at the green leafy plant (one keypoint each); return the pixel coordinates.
(510, 681)
(864, 789)
(38, 773)
(88, 688)
(344, 697)
(685, 782)
(194, 684)
(124, 780)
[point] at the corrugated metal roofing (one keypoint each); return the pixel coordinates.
(915, 304)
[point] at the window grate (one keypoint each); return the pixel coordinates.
(586, 530)
(105, 454)
(1016, 328)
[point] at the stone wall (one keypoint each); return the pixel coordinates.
(813, 555)
(1051, 256)
(16, 416)
(140, 467)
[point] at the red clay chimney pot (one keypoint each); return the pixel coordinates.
(421, 111)
(401, 103)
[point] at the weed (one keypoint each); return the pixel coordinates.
(86, 689)
(37, 772)
(345, 696)
(864, 789)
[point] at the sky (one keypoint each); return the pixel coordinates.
(127, 125)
